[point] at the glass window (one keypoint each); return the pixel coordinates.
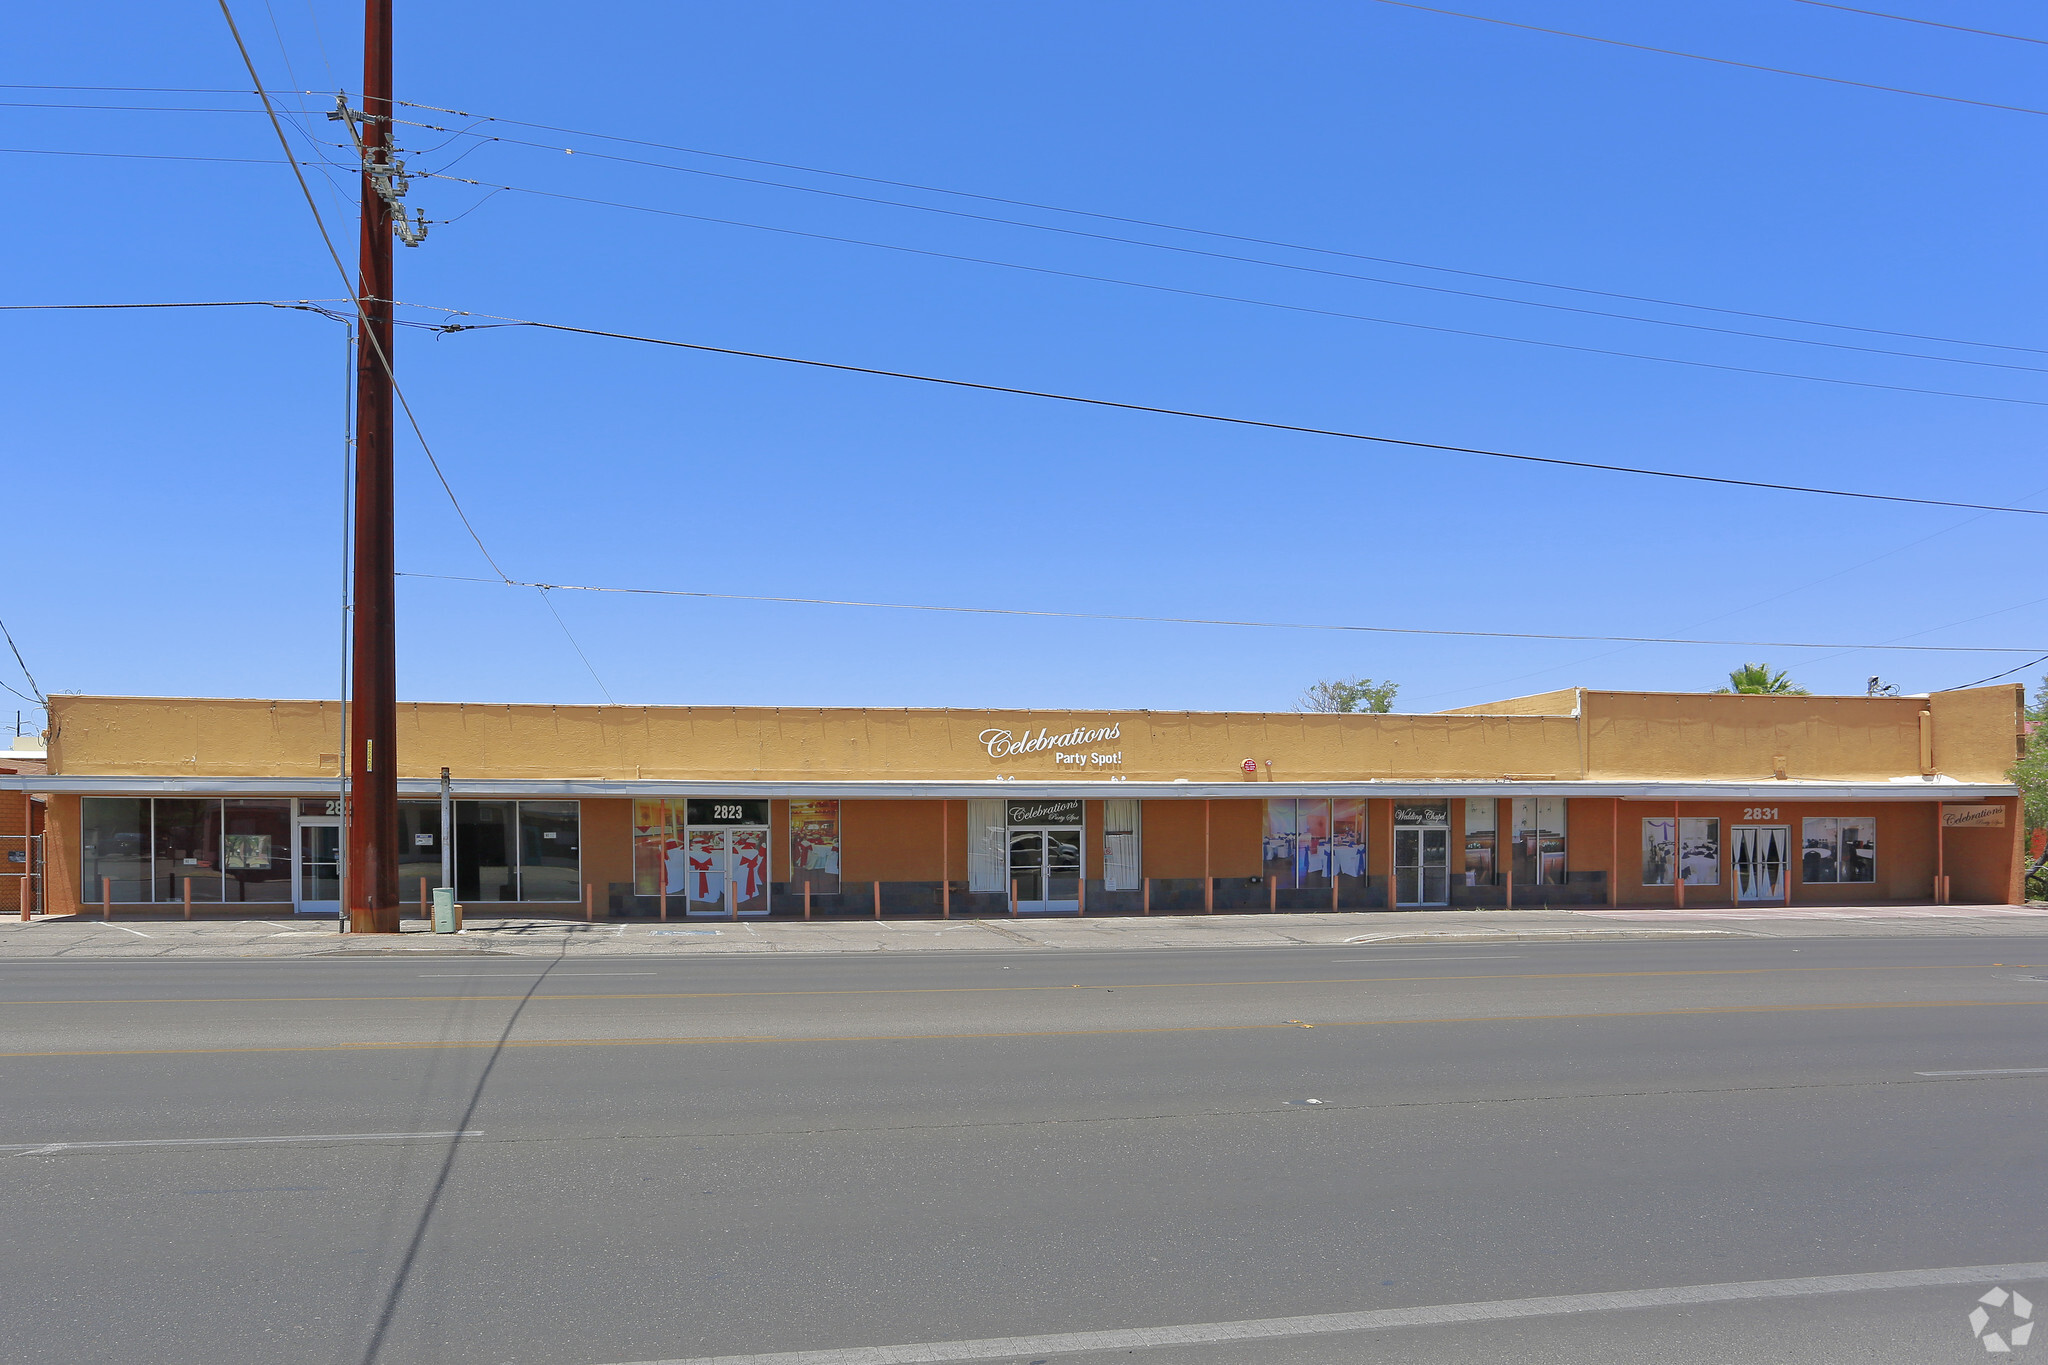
(550, 868)
(1279, 843)
(256, 851)
(1482, 834)
(1539, 836)
(1120, 845)
(814, 846)
(1660, 849)
(187, 847)
(1838, 849)
(1311, 843)
(486, 847)
(1699, 851)
(655, 845)
(114, 840)
(419, 849)
(1347, 837)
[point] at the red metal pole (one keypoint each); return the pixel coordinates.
(1677, 856)
(372, 813)
(188, 898)
(106, 898)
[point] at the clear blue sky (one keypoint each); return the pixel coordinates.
(172, 513)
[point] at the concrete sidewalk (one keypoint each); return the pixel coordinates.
(132, 937)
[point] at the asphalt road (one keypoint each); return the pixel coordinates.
(674, 1159)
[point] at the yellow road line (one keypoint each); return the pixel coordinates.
(1048, 1033)
(998, 990)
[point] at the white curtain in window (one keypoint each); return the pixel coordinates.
(987, 857)
(1120, 849)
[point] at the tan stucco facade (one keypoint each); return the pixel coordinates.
(1587, 735)
(906, 777)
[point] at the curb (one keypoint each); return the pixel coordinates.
(1561, 935)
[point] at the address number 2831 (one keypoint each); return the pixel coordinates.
(1759, 812)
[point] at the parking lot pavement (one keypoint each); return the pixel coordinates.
(134, 937)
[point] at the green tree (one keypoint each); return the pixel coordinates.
(2030, 774)
(1349, 694)
(1758, 680)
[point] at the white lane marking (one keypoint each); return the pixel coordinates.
(126, 930)
(1322, 1324)
(487, 976)
(1992, 1071)
(35, 1149)
(1394, 961)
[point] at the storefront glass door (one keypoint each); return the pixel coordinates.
(1422, 866)
(316, 875)
(725, 870)
(1763, 861)
(1045, 867)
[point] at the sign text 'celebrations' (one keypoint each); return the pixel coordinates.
(1004, 744)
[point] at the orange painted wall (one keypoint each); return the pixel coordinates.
(1171, 841)
(889, 841)
(607, 846)
(1588, 833)
(1979, 861)
(778, 840)
(61, 863)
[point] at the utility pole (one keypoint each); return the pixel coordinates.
(372, 811)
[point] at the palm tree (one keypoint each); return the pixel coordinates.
(1758, 680)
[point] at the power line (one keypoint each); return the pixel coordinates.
(442, 173)
(362, 316)
(1243, 299)
(293, 305)
(15, 649)
(1718, 61)
(548, 602)
(1221, 236)
(1930, 23)
(1766, 601)
(1236, 421)
(1211, 621)
(368, 332)
(126, 108)
(152, 156)
(1159, 246)
(1996, 676)
(140, 89)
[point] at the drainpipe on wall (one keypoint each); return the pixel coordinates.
(447, 832)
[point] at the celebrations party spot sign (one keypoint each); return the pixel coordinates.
(1045, 813)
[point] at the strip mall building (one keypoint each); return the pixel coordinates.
(1569, 798)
